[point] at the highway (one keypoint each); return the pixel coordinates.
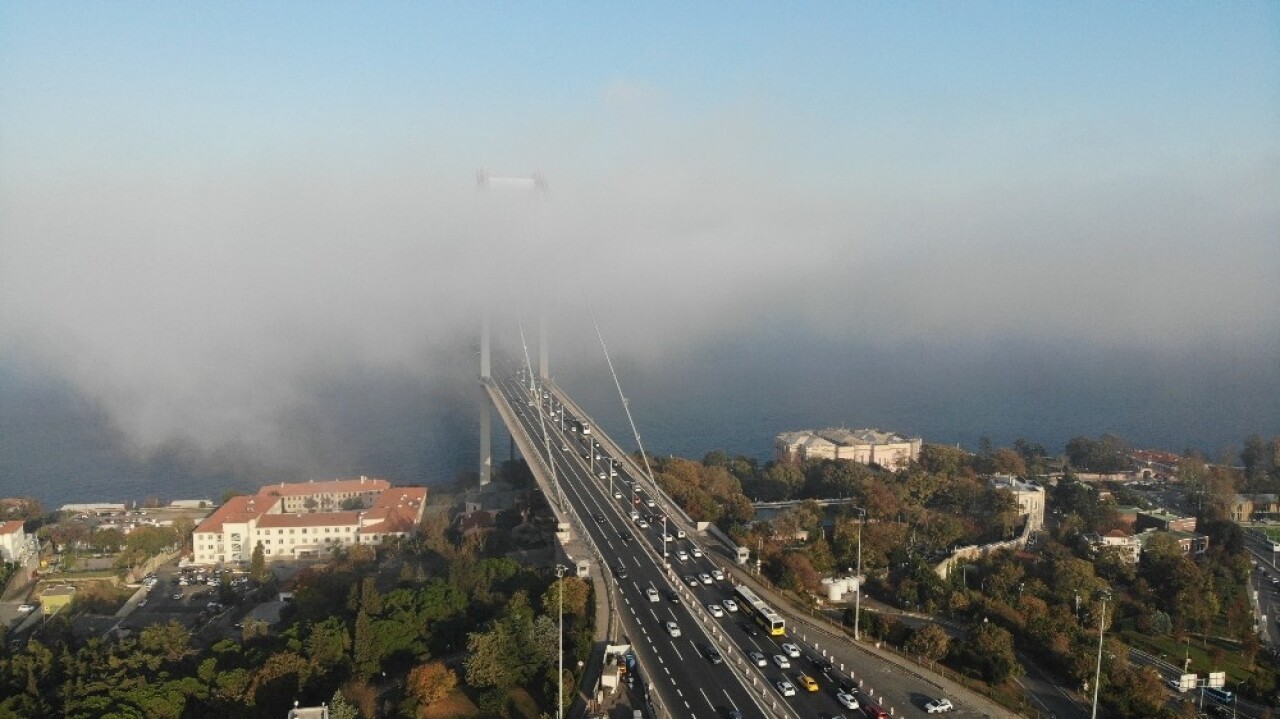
(653, 593)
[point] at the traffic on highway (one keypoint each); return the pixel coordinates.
(713, 648)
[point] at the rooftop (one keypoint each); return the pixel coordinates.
(335, 486)
(12, 527)
(308, 519)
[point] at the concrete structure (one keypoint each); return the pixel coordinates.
(94, 508)
(867, 446)
(1030, 498)
(1190, 542)
(1129, 545)
(1164, 521)
(13, 541)
(1245, 507)
(272, 518)
(55, 599)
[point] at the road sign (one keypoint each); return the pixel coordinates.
(1186, 682)
(1217, 680)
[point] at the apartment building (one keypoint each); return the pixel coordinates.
(283, 519)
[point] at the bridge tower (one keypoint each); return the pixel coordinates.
(522, 183)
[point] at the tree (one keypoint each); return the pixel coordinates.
(431, 682)
(340, 708)
(929, 641)
(258, 564)
(328, 643)
(989, 649)
(576, 592)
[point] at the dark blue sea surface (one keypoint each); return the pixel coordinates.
(734, 395)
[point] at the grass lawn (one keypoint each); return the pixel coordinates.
(1203, 659)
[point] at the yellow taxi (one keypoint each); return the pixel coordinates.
(807, 682)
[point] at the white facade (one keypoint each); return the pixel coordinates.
(232, 532)
(13, 541)
(867, 446)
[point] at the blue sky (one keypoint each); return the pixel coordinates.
(234, 189)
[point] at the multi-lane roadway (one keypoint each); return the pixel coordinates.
(707, 656)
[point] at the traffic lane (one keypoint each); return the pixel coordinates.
(581, 492)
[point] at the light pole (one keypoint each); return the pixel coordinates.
(857, 600)
(1102, 629)
(560, 569)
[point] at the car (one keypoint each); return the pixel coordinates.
(691, 580)
(734, 714)
(758, 659)
(673, 597)
(807, 682)
(717, 574)
(1175, 685)
(704, 578)
(682, 555)
(564, 448)
(598, 517)
(652, 594)
(673, 629)
(669, 538)
(822, 664)
(620, 572)
(696, 551)
(617, 494)
(750, 629)
(26, 608)
(624, 536)
(679, 534)
(642, 524)
(142, 603)
(785, 688)
(177, 595)
(938, 706)
(650, 503)
(634, 515)
(714, 655)
(781, 661)
(875, 711)
(715, 609)
(600, 475)
(730, 605)
(791, 650)
(847, 699)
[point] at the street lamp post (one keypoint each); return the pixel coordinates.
(857, 600)
(1102, 629)
(560, 569)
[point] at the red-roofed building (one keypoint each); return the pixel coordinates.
(327, 496)
(13, 541)
(280, 519)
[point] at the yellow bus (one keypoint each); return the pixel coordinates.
(764, 615)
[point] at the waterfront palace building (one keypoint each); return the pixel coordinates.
(868, 446)
(309, 519)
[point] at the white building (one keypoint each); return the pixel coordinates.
(13, 542)
(868, 446)
(232, 532)
(1030, 497)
